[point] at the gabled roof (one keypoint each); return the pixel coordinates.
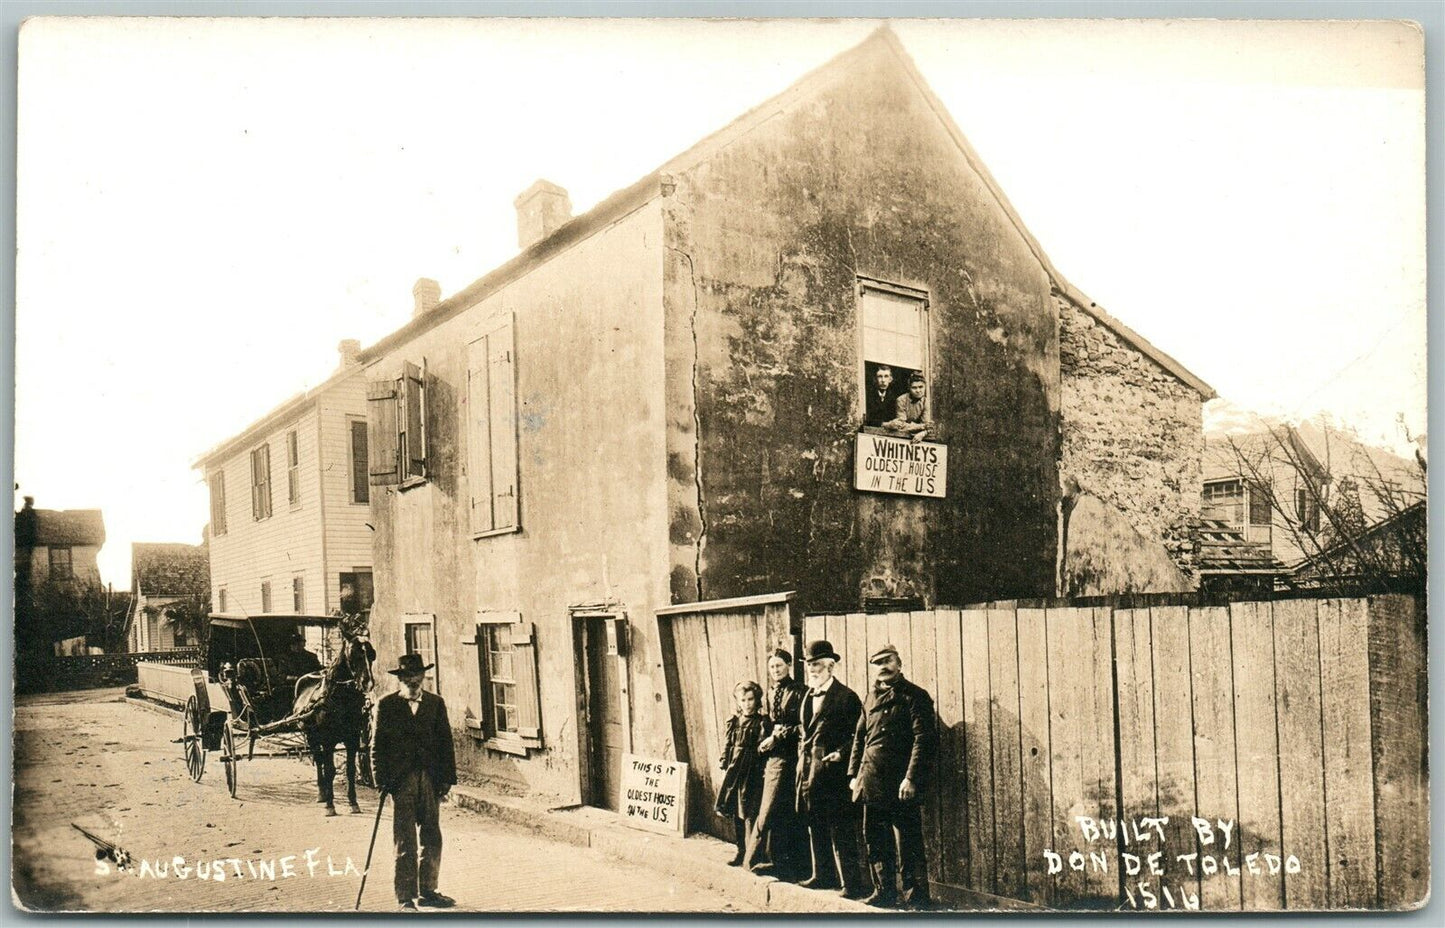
(653, 184)
(166, 569)
(268, 423)
(60, 527)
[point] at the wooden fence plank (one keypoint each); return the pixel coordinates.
(1398, 688)
(835, 632)
(703, 736)
(1174, 744)
(1033, 657)
(857, 670)
(978, 761)
(899, 635)
(814, 627)
(875, 636)
(1069, 709)
(1257, 754)
(1349, 790)
(1134, 665)
(1008, 805)
(953, 794)
(1215, 788)
(1301, 752)
(1099, 761)
(922, 669)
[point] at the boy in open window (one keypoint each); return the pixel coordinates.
(911, 411)
(882, 400)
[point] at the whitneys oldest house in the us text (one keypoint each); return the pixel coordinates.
(659, 402)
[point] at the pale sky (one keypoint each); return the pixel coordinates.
(206, 207)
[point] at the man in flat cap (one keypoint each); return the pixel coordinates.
(892, 757)
(413, 759)
(829, 716)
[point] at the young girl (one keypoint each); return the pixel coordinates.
(742, 783)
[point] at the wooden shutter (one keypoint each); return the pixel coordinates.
(266, 481)
(524, 670)
(503, 409)
(472, 647)
(1259, 506)
(413, 387)
(382, 434)
(255, 484)
(479, 438)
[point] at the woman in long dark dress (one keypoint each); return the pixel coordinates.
(780, 840)
(742, 784)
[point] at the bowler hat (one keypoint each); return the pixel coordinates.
(820, 650)
(882, 654)
(410, 663)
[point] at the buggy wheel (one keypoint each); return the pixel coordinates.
(192, 745)
(229, 758)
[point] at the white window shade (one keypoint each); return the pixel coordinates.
(892, 329)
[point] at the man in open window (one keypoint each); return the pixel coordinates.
(911, 411)
(882, 400)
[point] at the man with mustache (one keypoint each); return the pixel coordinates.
(892, 757)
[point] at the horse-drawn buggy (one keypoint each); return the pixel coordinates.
(265, 683)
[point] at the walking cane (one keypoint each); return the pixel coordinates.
(367, 869)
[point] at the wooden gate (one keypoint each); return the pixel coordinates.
(707, 649)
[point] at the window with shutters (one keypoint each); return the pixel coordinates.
(360, 479)
(261, 483)
(298, 594)
(221, 599)
(503, 701)
(1307, 509)
(266, 596)
(397, 429)
(492, 432)
(293, 469)
(218, 503)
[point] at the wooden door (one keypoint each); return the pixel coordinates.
(605, 732)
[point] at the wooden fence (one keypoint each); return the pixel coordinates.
(707, 648)
(1068, 734)
(45, 674)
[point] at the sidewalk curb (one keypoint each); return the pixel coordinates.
(698, 859)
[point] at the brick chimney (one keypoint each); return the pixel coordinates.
(542, 209)
(426, 294)
(349, 349)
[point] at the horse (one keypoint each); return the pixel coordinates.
(334, 704)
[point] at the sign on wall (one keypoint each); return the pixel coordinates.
(654, 794)
(884, 464)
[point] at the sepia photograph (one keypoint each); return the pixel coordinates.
(737, 466)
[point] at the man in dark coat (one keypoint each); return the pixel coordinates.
(892, 758)
(882, 398)
(413, 759)
(778, 826)
(829, 718)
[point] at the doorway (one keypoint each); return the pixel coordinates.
(602, 705)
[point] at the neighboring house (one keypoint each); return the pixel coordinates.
(1296, 490)
(1391, 554)
(165, 576)
(55, 568)
(290, 503)
(659, 402)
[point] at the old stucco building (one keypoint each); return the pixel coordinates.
(659, 402)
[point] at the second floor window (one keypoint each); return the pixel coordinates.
(360, 484)
(1307, 509)
(492, 431)
(293, 468)
(1224, 502)
(266, 596)
(893, 331)
(218, 503)
(60, 566)
(261, 483)
(298, 594)
(397, 438)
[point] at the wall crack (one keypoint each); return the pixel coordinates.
(696, 427)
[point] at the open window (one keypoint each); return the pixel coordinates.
(397, 414)
(503, 701)
(893, 340)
